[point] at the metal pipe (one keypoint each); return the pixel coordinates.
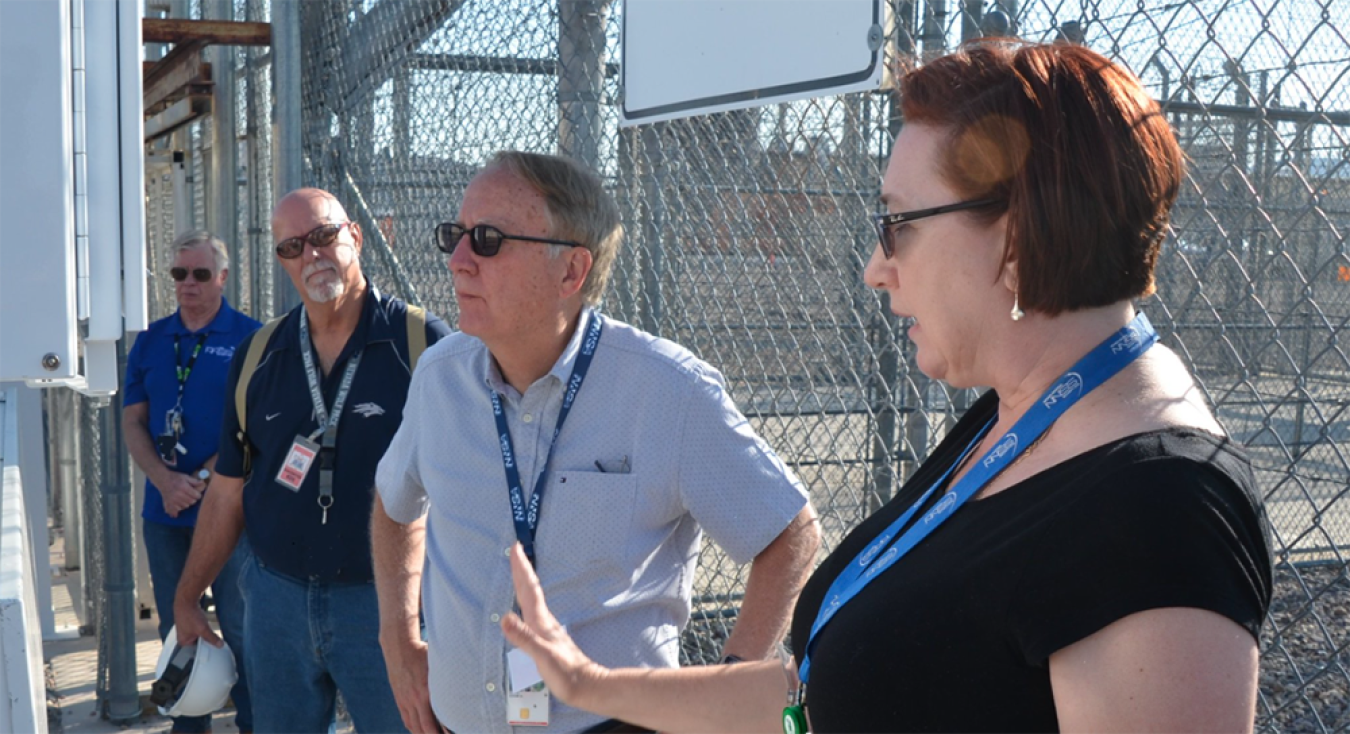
(654, 225)
(581, 78)
(287, 168)
(119, 579)
(259, 187)
(65, 452)
(222, 215)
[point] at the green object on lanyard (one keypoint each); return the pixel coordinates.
(794, 720)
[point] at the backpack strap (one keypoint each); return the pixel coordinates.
(251, 359)
(416, 318)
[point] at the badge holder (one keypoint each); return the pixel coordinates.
(794, 714)
(299, 460)
(169, 444)
(527, 704)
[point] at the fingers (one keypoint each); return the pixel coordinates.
(426, 720)
(519, 634)
(192, 626)
(529, 594)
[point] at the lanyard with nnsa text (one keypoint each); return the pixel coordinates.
(1095, 368)
(328, 422)
(183, 371)
(527, 519)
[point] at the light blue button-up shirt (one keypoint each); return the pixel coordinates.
(616, 549)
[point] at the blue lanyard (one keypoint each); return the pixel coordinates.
(1095, 368)
(527, 519)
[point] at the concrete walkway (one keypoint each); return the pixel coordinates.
(72, 668)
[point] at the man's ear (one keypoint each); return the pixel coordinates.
(357, 237)
(579, 262)
(223, 274)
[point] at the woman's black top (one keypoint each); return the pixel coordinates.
(956, 636)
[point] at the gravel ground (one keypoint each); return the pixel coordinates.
(1305, 662)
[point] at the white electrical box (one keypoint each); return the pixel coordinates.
(71, 171)
(38, 327)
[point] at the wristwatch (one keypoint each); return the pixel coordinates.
(203, 474)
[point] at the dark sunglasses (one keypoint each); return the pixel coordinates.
(321, 236)
(884, 222)
(201, 275)
(485, 241)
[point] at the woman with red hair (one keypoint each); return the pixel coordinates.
(1086, 549)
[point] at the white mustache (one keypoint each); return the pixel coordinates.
(317, 267)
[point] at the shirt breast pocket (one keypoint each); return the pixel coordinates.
(586, 529)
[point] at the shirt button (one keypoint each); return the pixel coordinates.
(507, 552)
(491, 687)
(495, 617)
(527, 418)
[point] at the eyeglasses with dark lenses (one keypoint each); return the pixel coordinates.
(885, 222)
(321, 236)
(485, 240)
(201, 275)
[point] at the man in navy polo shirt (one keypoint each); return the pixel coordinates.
(174, 396)
(298, 475)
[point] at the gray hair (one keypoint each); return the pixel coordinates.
(578, 205)
(199, 238)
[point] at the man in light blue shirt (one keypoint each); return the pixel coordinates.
(603, 450)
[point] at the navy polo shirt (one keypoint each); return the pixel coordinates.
(285, 527)
(152, 376)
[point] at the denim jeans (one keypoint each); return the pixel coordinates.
(308, 640)
(166, 550)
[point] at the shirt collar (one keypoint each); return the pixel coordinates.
(562, 369)
(374, 324)
(221, 323)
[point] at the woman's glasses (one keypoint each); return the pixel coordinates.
(886, 222)
(201, 275)
(485, 241)
(321, 236)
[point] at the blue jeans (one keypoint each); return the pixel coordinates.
(166, 550)
(308, 640)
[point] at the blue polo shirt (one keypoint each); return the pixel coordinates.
(152, 376)
(285, 527)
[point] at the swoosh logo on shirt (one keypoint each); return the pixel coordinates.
(270, 417)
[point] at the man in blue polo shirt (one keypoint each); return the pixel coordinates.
(174, 396)
(297, 472)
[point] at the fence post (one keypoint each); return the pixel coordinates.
(287, 171)
(654, 227)
(119, 580)
(581, 77)
(223, 213)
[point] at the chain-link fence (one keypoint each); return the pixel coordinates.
(747, 232)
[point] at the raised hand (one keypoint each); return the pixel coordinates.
(566, 670)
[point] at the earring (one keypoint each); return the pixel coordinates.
(1017, 312)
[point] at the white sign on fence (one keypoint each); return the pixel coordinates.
(692, 57)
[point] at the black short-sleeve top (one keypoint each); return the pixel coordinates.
(956, 635)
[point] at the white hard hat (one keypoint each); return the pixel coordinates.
(198, 680)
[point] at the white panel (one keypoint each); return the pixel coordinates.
(104, 172)
(23, 705)
(100, 366)
(37, 241)
(129, 53)
(684, 58)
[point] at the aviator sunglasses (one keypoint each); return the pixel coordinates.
(484, 240)
(201, 275)
(323, 235)
(886, 222)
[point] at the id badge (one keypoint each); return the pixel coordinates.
(297, 464)
(527, 703)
